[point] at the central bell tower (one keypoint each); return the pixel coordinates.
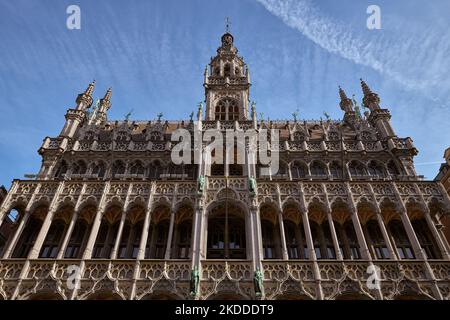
(227, 84)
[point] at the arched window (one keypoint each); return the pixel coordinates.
(357, 169)
(295, 240)
(378, 244)
(175, 171)
(227, 70)
(62, 170)
(298, 170)
(392, 169)
(162, 232)
(227, 109)
(282, 172)
(401, 240)
(237, 72)
(318, 169)
(53, 239)
(118, 168)
(426, 239)
(155, 170)
(137, 168)
(226, 233)
(352, 241)
(77, 239)
(183, 243)
(217, 170)
(323, 243)
(105, 240)
(27, 237)
(13, 215)
(269, 240)
(376, 170)
(99, 169)
(79, 167)
(190, 171)
(336, 170)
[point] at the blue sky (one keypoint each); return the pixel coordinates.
(153, 54)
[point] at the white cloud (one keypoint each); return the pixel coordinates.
(416, 60)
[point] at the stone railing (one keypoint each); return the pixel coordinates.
(23, 278)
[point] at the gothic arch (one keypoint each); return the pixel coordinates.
(227, 239)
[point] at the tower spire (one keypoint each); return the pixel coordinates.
(346, 104)
(371, 100)
(84, 100)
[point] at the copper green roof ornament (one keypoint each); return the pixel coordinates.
(127, 116)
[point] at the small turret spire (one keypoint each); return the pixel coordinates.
(346, 104)
(105, 103)
(84, 100)
(365, 88)
(90, 89)
(371, 100)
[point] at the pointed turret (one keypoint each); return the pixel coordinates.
(371, 100)
(346, 104)
(105, 103)
(104, 106)
(84, 100)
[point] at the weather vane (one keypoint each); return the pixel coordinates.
(159, 115)
(228, 24)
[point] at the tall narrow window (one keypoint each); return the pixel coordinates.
(52, 240)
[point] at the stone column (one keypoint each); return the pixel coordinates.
(197, 234)
(72, 224)
(334, 235)
(34, 253)
(67, 235)
(170, 236)
(121, 223)
(282, 237)
(96, 224)
(146, 224)
(365, 253)
(284, 251)
(118, 235)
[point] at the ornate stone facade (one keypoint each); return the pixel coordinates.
(444, 177)
(109, 203)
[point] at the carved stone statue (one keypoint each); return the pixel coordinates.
(258, 283)
(201, 184)
(195, 279)
(252, 185)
